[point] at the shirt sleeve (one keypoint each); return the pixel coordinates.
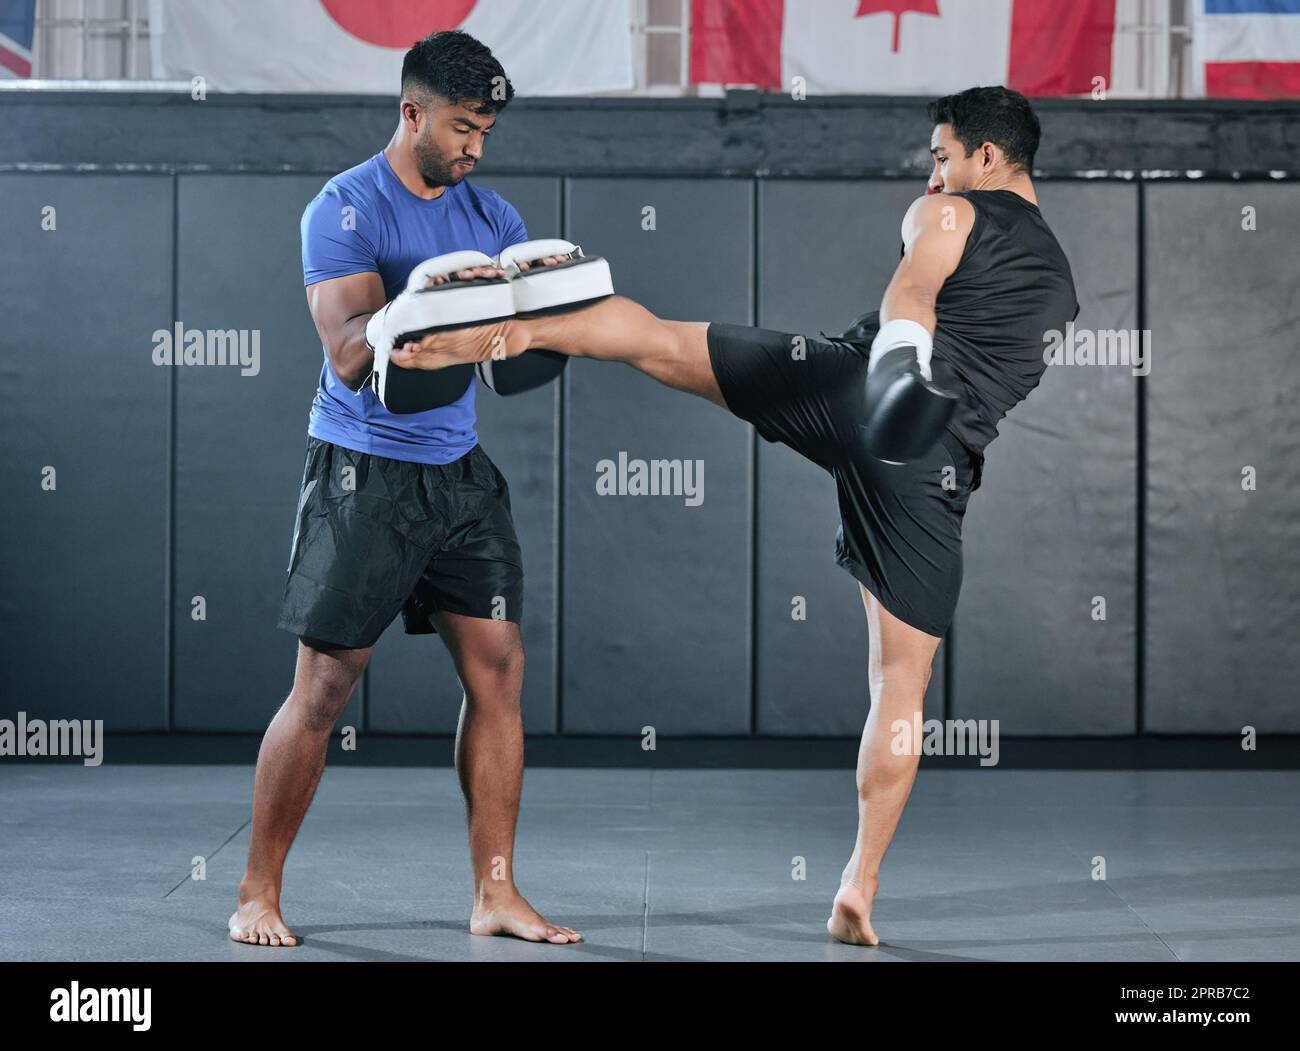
(512, 226)
(337, 238)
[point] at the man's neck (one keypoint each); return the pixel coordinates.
(403, 165)
(1019, 183)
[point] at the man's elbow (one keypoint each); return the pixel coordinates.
(915, 295)
(351, 369)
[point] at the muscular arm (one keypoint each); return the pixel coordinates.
(935, 229)
(340, 307)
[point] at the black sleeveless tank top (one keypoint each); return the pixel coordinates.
(1012, 286)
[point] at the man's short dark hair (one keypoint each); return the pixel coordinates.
(997, 115)
(458, 68)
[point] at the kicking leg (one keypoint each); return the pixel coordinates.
(899, 670)
(675, 353)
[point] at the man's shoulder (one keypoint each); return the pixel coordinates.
(487, 200)
(939, 212)
(360, 182)
(353, 197)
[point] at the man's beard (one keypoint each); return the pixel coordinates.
(434, 168)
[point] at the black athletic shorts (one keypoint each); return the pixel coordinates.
(392, 535)
(900, 531)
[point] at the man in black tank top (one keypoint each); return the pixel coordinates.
(899, 409)
(1012, 286)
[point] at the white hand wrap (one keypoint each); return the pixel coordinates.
(903, 333)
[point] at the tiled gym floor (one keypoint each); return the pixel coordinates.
(663, 865)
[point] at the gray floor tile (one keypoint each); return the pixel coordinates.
(663, 865)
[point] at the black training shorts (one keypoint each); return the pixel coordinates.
(900, 532)
(375, 536)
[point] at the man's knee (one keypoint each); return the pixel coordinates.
(684, 340)
(902, 676)
(499, 662)
(681, 360)
(505, 661)
(324, 680)
(320, 703)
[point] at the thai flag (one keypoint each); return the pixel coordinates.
(904, 47)
(1248, 49)
(17, 23)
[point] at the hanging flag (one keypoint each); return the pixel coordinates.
(1248, 49)
(555, 47)
(903, 47)
(17, 24)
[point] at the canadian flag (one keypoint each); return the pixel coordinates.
(903, 47)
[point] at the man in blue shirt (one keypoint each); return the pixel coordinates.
(401, 513)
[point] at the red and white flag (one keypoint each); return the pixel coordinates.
(903, 47)
(17, 23)
(1248, 49)
(556, 47)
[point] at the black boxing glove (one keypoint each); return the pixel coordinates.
(863, 330)
(906, 413)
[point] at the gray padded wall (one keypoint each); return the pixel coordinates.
(1054, 522)
(412, 683)
(81, 609)
(827, 250)
(656, 606)
(656, 598)
(240, 445)
(1222, 564)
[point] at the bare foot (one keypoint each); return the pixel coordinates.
(850, 920)
(494, 341)
(462, 346)
(257, 921)
(513, 916)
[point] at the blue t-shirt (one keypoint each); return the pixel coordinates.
(364, 219)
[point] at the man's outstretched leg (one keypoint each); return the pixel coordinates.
(675, 353)
(805, 392)
(899, 671)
